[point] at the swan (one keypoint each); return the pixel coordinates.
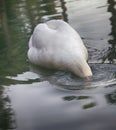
(55, 44)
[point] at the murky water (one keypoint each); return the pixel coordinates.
(34, 98)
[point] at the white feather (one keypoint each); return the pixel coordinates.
(55, 44)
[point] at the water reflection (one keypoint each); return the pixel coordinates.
(110, 54)
(7, 116)
(70, 98)
(54, 10)
(89, 105)
(64, 10)
(79, 98)
(111, 98)
(5, 22)
(13, 41)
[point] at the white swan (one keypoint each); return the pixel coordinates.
(55, 44)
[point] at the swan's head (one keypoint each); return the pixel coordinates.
(82, 69)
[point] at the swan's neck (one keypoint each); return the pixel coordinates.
(82, 69)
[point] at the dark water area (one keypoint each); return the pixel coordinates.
(33, 98)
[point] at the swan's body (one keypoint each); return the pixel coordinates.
(55, 44)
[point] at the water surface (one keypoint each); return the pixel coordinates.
(34, 98)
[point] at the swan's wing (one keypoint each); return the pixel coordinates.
(43, 36)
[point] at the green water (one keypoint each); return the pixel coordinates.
(36, 99)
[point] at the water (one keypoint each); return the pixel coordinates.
(34, 98)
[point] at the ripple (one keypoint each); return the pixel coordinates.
(104, 75)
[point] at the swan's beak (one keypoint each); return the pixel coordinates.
(89, 78)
